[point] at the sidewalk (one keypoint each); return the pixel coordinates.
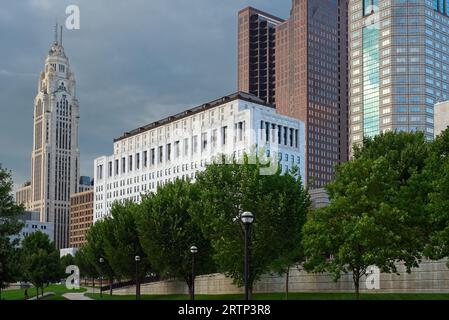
(76, 296)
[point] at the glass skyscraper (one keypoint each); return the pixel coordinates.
(398, 65)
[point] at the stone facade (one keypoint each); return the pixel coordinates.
(431, 277)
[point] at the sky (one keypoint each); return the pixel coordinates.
(135, 62)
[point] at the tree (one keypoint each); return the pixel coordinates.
(369, 220)
(40, 261)
(167, 231)
(95, 250)
(437, 174)
(9, 226)
(123, 245)
(279, 203)
(87, 270)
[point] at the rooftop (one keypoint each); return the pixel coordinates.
(213, 104)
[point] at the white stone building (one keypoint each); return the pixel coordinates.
(55, 155)
(441, 117)
(179, 146)
(32, 223)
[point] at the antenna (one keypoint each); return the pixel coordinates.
(56, 32)
(60, 37)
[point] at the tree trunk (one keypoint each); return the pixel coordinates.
(287, 278)
(0, 293)
(111, 282)
(356, 279)
(42, 291)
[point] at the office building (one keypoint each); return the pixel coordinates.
(55, 155)
(441, 117)
(179, 146)
(32, 223)
(81, 217)
(310, 75)
(23, 195)
(399, 65)
(256, 53)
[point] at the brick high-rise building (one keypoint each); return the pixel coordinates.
(311, 77)
(81, 217)
(256, 53)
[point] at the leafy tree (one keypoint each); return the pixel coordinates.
(40, 261)
(87, 270)
(95, 250)
(9, 226)
(369, 220)
(123, 245)
(279, 203)
(167, 231)
(437, 174)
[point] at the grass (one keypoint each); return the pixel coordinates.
(281, 296)
(19, 294)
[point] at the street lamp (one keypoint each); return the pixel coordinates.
(194, 251)
(137, 259)
(247, 220)
(101, 277)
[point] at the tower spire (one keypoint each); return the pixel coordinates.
(60, 36)
(56, 32)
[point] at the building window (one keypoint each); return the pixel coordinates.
(123, 165)
(110, 169)
(370, 7)
(203, 141)
(137, 161)
(161, 151)
(224, 135)
(145, 159)
(130, 163)
(152, 156)
(169, 152)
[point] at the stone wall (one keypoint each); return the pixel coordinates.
(431, 276)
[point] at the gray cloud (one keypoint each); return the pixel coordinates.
(135, 62)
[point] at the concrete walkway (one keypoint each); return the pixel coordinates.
(76, 296)
(46, 294)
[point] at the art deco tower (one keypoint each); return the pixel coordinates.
(55, 156)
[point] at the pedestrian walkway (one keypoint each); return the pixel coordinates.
(76, 296)
(46, 294)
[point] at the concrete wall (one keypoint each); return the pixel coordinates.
(430, 277)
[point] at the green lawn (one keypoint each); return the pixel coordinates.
(19, 294)
(281, 296)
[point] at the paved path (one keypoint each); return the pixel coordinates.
(76, 296)
(46, 294)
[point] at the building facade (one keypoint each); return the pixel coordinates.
(55, 155)
(181, 145)
(311, 81)
(23, 195)
(32, 223)
(256, 53)
(399, 65)
(81, 217)
(85, 184)
(441, 117)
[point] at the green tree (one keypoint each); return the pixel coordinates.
(278, 202)
(95, 250)
(123, 245)
(87, 269)
(40, 261)
(167, 231)
(369, 220)
(437, 174)
(9, 227)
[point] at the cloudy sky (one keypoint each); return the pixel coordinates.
(135, 61)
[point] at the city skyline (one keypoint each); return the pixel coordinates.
(105, 84)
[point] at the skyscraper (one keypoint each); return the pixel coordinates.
(399, 65)
(311, 81)
(256, 53)
(55, 155)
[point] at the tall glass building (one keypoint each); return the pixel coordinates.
(398, 65)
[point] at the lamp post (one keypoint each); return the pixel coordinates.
(247, 220)
(137, 259)
(101, 277)
(194, 251)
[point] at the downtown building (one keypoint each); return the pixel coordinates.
(308, 67)
(55, 154)
(81, 217)
(399, 66)
(180, 146)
